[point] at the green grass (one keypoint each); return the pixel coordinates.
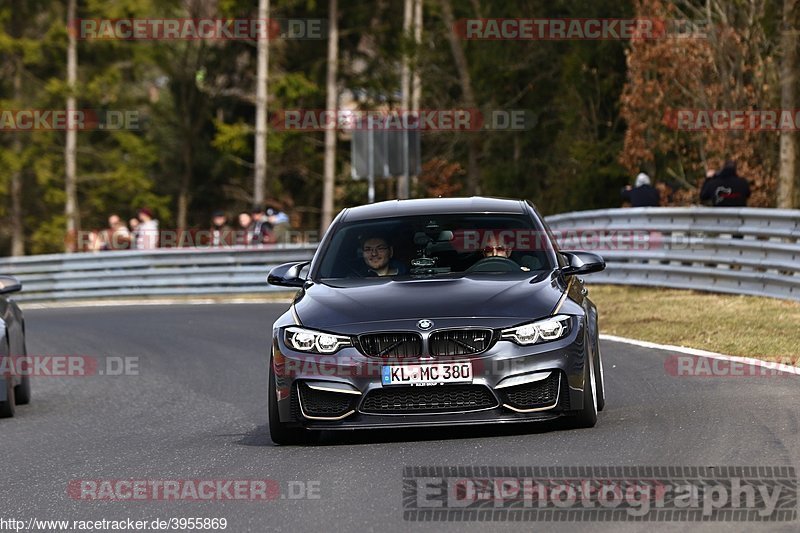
(747, 326)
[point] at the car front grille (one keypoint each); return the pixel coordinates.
(324, 404)
(534, 395)
(396, 344)
(433, 399)
(459, 342)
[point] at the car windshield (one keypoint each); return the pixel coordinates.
(506, 245)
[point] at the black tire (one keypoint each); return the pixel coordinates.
(22, 392)
(600, 381)
(8, 407)
(278, 431)
(587, 417)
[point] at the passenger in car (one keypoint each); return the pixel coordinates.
(377, 254)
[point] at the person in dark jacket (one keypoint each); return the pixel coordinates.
(643, 194)
(725, 188)
(220, 233)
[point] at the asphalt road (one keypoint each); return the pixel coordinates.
(198, 410)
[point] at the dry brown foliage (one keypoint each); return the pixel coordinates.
(731, 68)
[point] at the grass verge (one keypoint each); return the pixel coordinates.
(747, 326)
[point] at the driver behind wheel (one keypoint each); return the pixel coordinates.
(494, 248)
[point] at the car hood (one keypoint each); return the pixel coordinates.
(325, 306)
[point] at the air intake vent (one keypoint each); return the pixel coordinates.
(534, 395)
(444, 398)
(324, 404)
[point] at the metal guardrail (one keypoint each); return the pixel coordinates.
(733, 250)
(163, 272)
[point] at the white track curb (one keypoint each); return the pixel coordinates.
(782, 367)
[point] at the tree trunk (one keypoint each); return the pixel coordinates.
(473, 172)
(17, 233)
(788, 186)
(70, 178)
(185, 184)
(331, 105)
(260, 184)
(405, 96)
(416, 83)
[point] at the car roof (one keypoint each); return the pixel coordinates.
(430, 206)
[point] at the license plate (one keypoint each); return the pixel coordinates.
(428, 374)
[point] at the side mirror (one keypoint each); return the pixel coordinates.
(582, 263)
(287, 275)
(9, 284)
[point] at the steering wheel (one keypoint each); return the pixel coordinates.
(494, 264)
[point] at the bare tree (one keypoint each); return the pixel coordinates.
(405, 94)
(70, 178)
(17, 233)
(473, 172)
(260, 181)
(416, 83)
(788, 186)
(331, 104)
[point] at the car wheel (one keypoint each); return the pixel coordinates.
(278, 431)
(587, 417)
(8, 407)
(600, 381)
(22, 392)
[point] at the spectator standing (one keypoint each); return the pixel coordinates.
(147, 230)
(725, 188)
(643, 194)
(133, 224)
(279, 223)
(261, 230)
(95, 242)
(245, 229)
(221, 232)
(117, 236)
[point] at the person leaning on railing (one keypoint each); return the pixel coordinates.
(725, 188)
(643, 194)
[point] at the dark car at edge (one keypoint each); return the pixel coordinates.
(15, 389)
(477, 318)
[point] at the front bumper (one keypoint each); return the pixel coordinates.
(344, 391)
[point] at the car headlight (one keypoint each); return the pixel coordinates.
(549, 329)
(308, 340)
